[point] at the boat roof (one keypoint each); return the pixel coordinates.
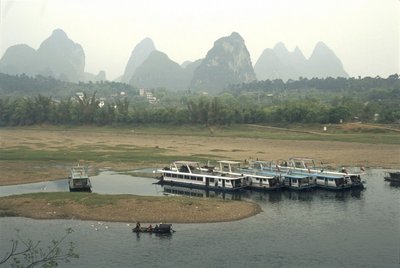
(78, 168)
(228, 162)
(329, 176)
(262, 162)
(189, 163)
(301, 158)
(296, 176)
(269, 172)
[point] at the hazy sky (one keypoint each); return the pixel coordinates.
(364, 34)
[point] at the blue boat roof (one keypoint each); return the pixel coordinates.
(268, 173)
(296, 176)
(319, 175)
(329, 176)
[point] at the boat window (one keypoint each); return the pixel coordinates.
(180, 176)
(211, 179)
(173, 175)
(294, 180)
(200, 178)
(264, 179)
(219, 180)
(184, 169)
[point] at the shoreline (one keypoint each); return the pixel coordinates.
(39, 154)
(43, 170)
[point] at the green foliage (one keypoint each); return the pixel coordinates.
(27, 253)
(314, 100)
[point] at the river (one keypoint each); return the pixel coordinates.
(312, 229)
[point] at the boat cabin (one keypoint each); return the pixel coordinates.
(191, 173)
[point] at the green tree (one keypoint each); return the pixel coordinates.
(336, 114)
(22, 113)
(87, 107)
(42, 109)
(27, 253)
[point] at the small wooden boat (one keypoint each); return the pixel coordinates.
(163, 228)
(392, 176)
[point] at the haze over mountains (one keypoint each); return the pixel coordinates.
(279, 63)
(58, 57)
(227, 62)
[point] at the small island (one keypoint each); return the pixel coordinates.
(125, 208)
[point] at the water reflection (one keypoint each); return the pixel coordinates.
(339, 195)
(265, 196)
(167, 236)
(46, 186)
(355, 228)
(394, 184)
(259, 196)
(169, 189)
(109, 182)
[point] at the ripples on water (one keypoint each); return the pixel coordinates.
(295, 229)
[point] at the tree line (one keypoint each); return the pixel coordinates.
(210, 110)
(304, 101)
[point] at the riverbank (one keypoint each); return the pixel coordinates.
(125, 208)
(33, 154)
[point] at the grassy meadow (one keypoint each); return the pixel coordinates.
(46, 152)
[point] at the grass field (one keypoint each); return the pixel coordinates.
(39, 153)
(125, 208)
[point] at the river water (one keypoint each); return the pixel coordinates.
(312, 229)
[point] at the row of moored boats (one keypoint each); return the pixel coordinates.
(296, 174)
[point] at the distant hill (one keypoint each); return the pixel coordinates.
(323, 63)
(19, 59)
(61, 58)
(159, 71)
(189, 68)
(279, 63)
(227, 62)
(58, 57)
(101, 76)
(139, 54)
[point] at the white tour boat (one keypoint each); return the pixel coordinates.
(254, 180)
(78, 180)
(286, 177)
(328, 179)
(191, 174)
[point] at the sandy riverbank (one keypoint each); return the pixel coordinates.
(50, 142)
